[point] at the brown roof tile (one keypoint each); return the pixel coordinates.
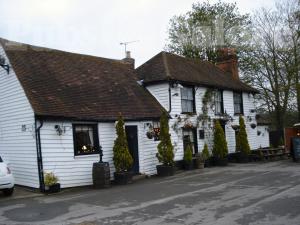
(167, 66)
(82, 87)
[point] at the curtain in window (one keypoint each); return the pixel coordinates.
(187, 99)
(84, 138)
(238, 103)
(218, 103)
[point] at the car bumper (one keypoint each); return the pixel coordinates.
(7, 182)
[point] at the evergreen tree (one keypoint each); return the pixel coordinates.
(220, 149)
(122, 158)
(205, 152)
(165, 153)
(188, 154)
(242, 144)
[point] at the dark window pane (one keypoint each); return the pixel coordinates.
(85, 139)
(238, 103)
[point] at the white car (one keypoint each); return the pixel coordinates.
(7, 182)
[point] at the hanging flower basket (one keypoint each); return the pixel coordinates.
(188, 125)
(253, 125)
(149, 134)
(235, 127)
(258, 133)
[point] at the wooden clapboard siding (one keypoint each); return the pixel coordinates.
(58, 152)
(248, 104)
(263, 140)
(17, 147)
(161, 93)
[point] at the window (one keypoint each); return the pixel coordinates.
(238, 103)
(85, 139)
(201, 134)
(219, 109)
(187, 100)
(190, 137)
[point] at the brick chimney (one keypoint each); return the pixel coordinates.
(228, 62)
(128, 59)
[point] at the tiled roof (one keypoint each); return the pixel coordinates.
(62, 84)
(167, 66)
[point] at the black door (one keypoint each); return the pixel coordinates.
(132, 139)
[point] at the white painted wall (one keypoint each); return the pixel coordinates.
(160, 92)
(263, 140)
(58, 152)
(16, 146)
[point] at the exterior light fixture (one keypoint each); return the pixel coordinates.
(3, 64)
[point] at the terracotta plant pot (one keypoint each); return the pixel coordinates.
(123, 178)
(164, 171)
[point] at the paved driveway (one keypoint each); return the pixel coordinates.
(267, 193)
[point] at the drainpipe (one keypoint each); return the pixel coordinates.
(39, 154)
(170, 98)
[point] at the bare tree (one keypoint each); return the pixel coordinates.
(270, 63)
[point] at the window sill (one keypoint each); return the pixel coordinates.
(87, 155)
(238, 114)
(189, 113)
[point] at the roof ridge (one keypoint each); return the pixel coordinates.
(14, 45)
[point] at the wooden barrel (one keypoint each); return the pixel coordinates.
(101, 175)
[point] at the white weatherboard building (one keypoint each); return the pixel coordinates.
(58, 108)
(180, 85)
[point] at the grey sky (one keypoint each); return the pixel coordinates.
(97, 27)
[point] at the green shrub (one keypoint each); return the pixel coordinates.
(165, 153)
(50, 179)
(220, 149)
(242, 144)
(205, 152)
(188, 154)
(122, 158)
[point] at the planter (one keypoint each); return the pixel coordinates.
(221, 161)
(188, 166)
(123, 178)
(54, 188)
(198, 163)
(101, 175)
(207, 163)
(164, 171)
(242, 158)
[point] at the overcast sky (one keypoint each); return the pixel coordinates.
(97, 27)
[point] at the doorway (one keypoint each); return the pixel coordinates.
(132, 139)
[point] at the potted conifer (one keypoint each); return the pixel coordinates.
(220, 149)
(51, 183)
(188, 158)
(165, 154)
(122, 159)
(242, 144)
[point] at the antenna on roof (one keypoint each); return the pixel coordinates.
(127, 43)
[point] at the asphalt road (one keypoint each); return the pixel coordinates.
(260, 193)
